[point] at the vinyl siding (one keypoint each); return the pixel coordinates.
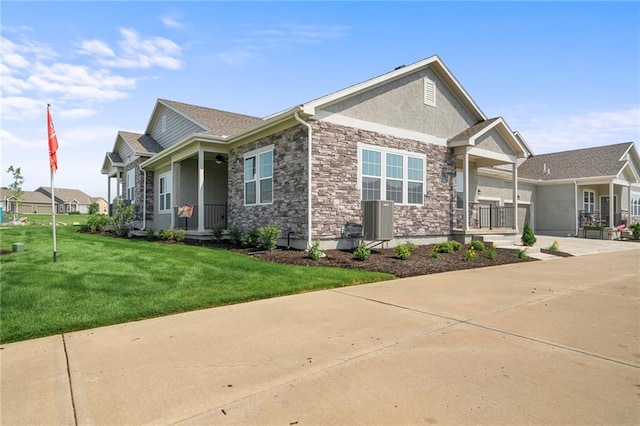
(177, 128)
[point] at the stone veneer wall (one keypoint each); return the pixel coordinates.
(139, 189)
(336, 199)
(289, 207)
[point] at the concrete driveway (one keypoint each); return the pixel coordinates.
(553, 342)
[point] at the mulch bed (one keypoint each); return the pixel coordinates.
(383, 260)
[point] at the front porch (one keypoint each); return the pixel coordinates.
(215, 215)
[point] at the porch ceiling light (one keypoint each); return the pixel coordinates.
(220, 159)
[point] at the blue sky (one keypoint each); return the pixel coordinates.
(564, 74)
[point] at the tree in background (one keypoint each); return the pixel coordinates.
(16, 187)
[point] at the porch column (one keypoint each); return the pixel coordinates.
(515, 195)
(173, 199)
(108, 195)
(611, 205)
(465, 204)
(200, 190)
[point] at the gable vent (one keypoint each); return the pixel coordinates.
(429, 92)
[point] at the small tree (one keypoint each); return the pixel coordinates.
(93, 208)
(122, 218)
(528, 239)
(16, 186)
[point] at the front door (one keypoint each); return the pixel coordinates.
(604, 208)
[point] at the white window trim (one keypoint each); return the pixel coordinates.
(594, 200)
(256, 153)
(131, 185)
(405, 172)
(160, 177)
(634, 207)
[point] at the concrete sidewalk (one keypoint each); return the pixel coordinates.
(552, 342)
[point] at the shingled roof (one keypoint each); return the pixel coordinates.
(66, 195)
(476, 128)
(219, 123)
(580, 163)
(141, 143)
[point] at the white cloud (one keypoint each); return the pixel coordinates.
(171, 21)
(96, 47)
(77, 113)
(21, 108)
(257, 41)
(136, 52)
(565, 132)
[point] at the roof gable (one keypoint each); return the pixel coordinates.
(140, 144)
(213, 122)
(601, 161)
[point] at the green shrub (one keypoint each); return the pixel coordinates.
(123, 217)
(269, 236)
(470, 254)
(235, 235)
(93, 208)
(362, 252)
(434, 254)
(490, 254)
(477, 245)
(74, 213)
(403, 251)
(445, 247)
(528, 239)
(251, 238)
(180, 235)
(217, 232)
(97, 222)
(166, 234)
(411, 246)
(150, 234)
(455, 245)
(314, 251)
(554, 247)
(521, 254)
(635, 231)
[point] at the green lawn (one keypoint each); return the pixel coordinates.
(45, 219)
(100, 280)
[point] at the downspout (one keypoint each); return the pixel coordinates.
(144, 197)
(575, 213)
(309, 138)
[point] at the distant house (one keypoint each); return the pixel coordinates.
(412, 136)
(68, 200)
(31, 202)
(103, 206)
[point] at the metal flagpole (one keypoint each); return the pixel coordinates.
(53, 214)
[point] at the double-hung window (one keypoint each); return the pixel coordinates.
(589, 201)
(634, 207)
(258, 177)
(131, 184)
(392, 175)
(165, 193)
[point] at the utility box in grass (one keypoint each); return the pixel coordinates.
(377, 220)
(16, 247)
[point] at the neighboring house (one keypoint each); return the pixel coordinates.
(103, 206)
(413, 136)
(68, 200)
(31, 202)
(583, 187)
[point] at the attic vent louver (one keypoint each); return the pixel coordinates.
(429, 92)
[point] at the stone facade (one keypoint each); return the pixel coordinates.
(289, 207)
(336, 198)
(139, 189)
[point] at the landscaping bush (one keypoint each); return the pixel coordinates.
(554, 247)
(476, 245)
(314, 251)
(217, 232)
(362, 252)
(490, 254)
(470, 254)
(151, 235)
(445, 247)
(235, 235)
(166, 235)
(528, 239)
(180, 235)
(122, 217)
(521, 254)
(251, 238)
(635, 231)
(434, 254)
(403, 251)
(269, 236)
(455, 245)
(97, 222)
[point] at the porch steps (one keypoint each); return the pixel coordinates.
(497, 240)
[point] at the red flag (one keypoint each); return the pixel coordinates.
(53, 143)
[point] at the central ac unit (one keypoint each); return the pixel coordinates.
(377, 221)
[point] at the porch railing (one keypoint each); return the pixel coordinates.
(496, 217)
(595, 218)
(214, 215)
